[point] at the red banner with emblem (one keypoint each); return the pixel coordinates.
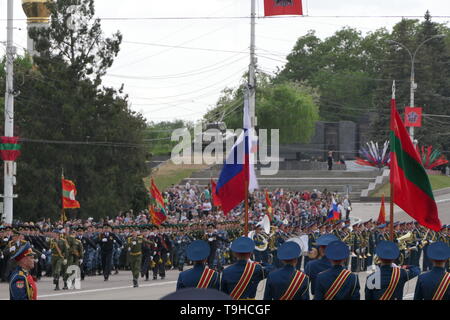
(282, 7)
(413, 117)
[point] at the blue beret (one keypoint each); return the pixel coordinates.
(198, 250)
(288, 251)
(326, 239)
(337, 250)
(243, 245)
(438, 251)
(23, 251)
(387, 250)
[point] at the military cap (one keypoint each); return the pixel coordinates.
(326, 239)
(23, 252)
(381, 226)
(243, 245)
(198, 250)
(387, 250)
(337, 250)
(288, 251)
(438, 251)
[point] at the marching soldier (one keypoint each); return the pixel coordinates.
(75, 256)
(60, 252)
(200, 276)
(107, 239)
(435, 284)
(22, 285)
(337, 283)
(241, 279)
(287, 283)
(314, 267)
(134, 247)
(388, 282)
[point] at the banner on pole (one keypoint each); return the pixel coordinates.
(413, 117)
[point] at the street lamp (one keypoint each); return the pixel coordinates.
(413, 58)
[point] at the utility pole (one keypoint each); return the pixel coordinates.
(9, 166)
(252, 69)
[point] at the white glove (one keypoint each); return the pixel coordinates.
(81, 261)
(104, 239)
(5, 239)
(151, 258)
(393, 265)
(44, 251)
(210, 239)
(129, 249)
(134, 243)
(168, 254)
(154, 253)
(12, 248)
(179, 241)
(64, 261)
(1, 257)
(43, 256)
(114, 241)
(156, 245)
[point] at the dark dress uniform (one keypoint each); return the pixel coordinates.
(106, 241)
(349, 290)
(279, 280)
(190, 278)
(427, 284)
(22, 285)
(435, 284)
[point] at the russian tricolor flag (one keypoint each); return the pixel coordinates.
(333, 214)
(238, 169)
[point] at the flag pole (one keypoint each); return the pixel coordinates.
(246, 209)
(62, 196)
(391, 213)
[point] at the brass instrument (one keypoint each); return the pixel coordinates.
(402, 241)
(313, 254)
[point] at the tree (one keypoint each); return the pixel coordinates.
(288, 106)
(68, 120)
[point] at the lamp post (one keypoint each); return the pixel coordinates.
(413, 85)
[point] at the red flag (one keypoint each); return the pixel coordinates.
(412, 189)
(215, 198)
(282, 7)
(382, 214)
(156, 194)
(68, 195)
(157, 217)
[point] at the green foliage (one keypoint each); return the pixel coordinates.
(63, 112)
(288, 106)
(158, 135)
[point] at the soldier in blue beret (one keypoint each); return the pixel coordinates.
(287, 283)
(314, 267)
(241, 279)
(387, 283)
(435, 284)
(337, 283)
(200, 276)
(21, 284)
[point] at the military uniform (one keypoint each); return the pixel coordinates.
(22, 285)
(337, 283)
(389, 278)
(287, 283)
(199, 276)
(232, 275)
(75, 255)
(134, 247)
(435, 284)
(60, 253)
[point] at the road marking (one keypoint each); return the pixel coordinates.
(106, 289)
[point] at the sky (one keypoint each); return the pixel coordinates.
(174, 67)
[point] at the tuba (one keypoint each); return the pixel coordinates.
(402, 241)
(261, 237)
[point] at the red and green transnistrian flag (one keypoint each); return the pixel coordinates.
(68, 197)
(411, 186)
(9, 148)
(157, 216)
(156, 194)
